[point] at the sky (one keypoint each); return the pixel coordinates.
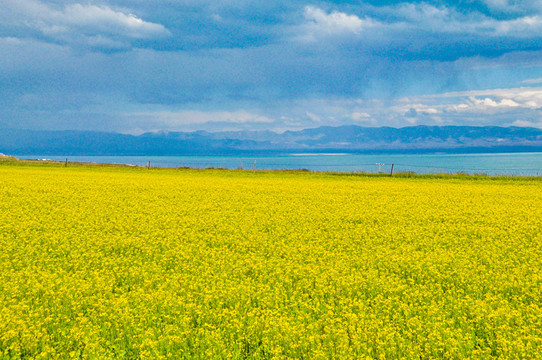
(135, 66)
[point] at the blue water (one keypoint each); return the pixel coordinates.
(524, 164)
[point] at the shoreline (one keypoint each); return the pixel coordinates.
(11, 160)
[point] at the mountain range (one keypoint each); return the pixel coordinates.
(350, 139)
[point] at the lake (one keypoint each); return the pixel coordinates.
(524, 164)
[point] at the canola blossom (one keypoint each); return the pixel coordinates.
(130, 263)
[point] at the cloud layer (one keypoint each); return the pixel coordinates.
(134, 66)
(95, 27)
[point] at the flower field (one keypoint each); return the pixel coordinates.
(129, 263)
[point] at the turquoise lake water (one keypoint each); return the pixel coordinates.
(525, 164)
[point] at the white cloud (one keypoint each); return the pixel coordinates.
(102, 19)
(525, 97)
(334, 22)
(443, 19)
(525, 123)
(360, 116)
(492, 103)
(425, 16)
(319, 23)
(533, 81)
(502, 107)
(415, 108)
(409, 17)
(387, 22)
(486, 104)
(313, 117)
(363, 118)
(77, 24)
(172, 119)
(522, 27)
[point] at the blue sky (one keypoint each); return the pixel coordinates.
(133, 66)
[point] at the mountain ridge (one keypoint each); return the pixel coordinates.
(347, 138)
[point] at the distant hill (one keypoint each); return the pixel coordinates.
(354, 139)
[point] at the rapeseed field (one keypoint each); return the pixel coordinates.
(130, 263)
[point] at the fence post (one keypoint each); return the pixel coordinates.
(391, 172)
(66, 163)
(148, 165)
(254, 165)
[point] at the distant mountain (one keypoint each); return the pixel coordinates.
(351, 138)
